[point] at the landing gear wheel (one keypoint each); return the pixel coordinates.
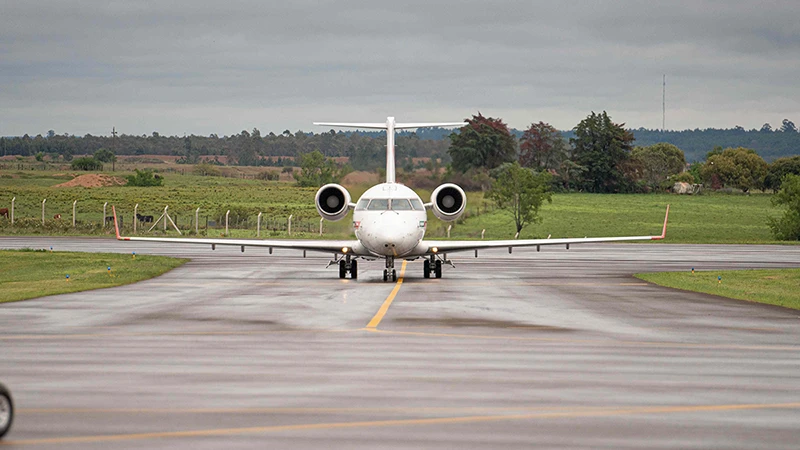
(385, 274)
(354, 269)
(394, 275)
(6, 411)
(342, 269)
(438, 269)
(426, 269)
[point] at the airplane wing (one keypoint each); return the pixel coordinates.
(352, 247)
(435, 247)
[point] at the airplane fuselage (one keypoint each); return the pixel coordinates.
(390, 220)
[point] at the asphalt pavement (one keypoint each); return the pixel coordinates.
(533, 349)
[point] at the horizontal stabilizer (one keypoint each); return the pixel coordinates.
(397, 126)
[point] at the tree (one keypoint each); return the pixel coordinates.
(779, 169)
(145, 178)
(740, 168)
(485, 143)
(659, 162)
(788, 126)
(766, 128)
(601, 147)
(317, 170)
(86, 163)
(520, 192)
(542, 147)
(106, 156)
(788, 226)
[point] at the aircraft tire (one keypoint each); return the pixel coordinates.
(354, 269)
(394, 275)
(426, 269)
(385, 275)
(342, 270)
(6, 411)
(438, 269)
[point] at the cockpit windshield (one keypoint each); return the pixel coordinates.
(394, 204)
(362, 204)
(378, 204)
(401, 204)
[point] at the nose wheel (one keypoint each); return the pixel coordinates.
(389, 275)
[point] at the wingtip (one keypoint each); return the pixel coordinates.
(116, 224)
(663, 230)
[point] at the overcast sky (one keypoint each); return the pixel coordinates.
(202, 67)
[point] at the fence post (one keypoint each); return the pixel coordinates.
(289, 226)
(165, 218)
(74, 210)
(449, 227)
(258, 225)
(12, 209)
(104, 214)
(135, 216)
(43, 202)
(483, 232)
(226, 221)
(197, 220)
(320, 225)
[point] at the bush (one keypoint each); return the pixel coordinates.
(144, 178)
(86, 163)
(787, 227)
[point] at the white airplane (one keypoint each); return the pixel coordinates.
(389, 221)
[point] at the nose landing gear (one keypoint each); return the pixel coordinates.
(389, 271)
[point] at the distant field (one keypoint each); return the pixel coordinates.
(779, 287)
(30, 274)
(693, 219)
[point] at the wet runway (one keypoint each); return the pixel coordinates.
(551, 349)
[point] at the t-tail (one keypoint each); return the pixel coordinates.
(390, 126)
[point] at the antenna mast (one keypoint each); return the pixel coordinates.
(663, 102)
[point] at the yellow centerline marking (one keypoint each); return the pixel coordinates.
(405, 422)
(376, 320)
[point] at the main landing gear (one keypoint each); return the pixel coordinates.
(389, 273)
(432, 266)
(348, 264)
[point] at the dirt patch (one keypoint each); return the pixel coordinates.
(93, 180)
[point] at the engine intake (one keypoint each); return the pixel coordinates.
(448, 202)
(333, 202)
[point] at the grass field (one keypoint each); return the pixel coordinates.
(30, 274)
(773, 286)
(693, 219)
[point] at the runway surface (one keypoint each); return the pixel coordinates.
(551, 349)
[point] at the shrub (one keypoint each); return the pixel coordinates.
(144, 178)
(86, 163)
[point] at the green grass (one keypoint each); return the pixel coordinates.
(705, 218)
(772, 286)
(29, 274)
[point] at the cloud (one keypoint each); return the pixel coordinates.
(203, 67)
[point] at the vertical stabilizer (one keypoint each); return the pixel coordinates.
(390, 149)
(390, 126)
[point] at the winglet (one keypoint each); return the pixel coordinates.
(664, 230)
(116, 224)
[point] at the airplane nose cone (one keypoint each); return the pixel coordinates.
(388, 234)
